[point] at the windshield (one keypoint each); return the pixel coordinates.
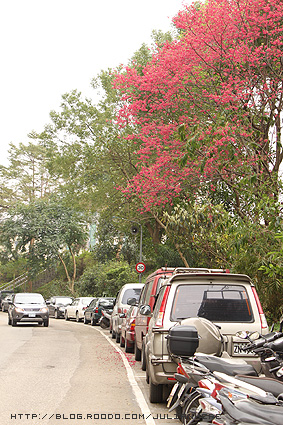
(219, 303)
(28, 299)
(86, 301)
(63, 301)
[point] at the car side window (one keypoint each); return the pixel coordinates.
(159, 301)
(148, 292)
(143, 294)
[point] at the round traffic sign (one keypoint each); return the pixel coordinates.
(140, 267)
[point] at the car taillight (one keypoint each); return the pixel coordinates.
(160, 317)
(119, 310)
(133, 324)
(263, 321)
(96, 310)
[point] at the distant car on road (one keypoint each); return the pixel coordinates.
(4, 294)
(57, 305)
(93, 311)
(5, 302)
(28, 307)
(77, 308)
(127, 337)
(127, 292)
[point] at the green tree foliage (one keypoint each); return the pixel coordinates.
(106, 279)
(43, 231)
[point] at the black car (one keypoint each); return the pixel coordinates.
(93, 311)
(3, 294)
(5, 302)
(28, 307)
(57, 305)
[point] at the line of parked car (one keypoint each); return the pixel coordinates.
(184, 296)
(142, 314)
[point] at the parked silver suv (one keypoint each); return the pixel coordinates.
(228, 300)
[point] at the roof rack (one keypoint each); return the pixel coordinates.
(199, 270)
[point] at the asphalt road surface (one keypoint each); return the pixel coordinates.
(71, 373)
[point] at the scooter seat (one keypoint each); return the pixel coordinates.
(267, 384)
(217, 364)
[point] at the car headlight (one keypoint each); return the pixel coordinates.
(19, 310)
(44, 310)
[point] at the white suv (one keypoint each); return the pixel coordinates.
(228, 300)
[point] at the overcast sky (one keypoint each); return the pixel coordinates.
(49, 47)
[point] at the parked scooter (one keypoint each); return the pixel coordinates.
(104, 320)
(185, 397)
(227, 400)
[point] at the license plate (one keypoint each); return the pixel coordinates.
(32, 315)
(171, 395)
(240, 349)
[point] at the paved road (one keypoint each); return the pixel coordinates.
(71, 373)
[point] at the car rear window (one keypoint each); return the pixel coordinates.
(218, 303)
(131, 293)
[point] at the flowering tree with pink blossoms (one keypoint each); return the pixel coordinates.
(206, 114)
(214, 98)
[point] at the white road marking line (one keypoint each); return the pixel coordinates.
(135, 386)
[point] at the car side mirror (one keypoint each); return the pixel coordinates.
(145, 310)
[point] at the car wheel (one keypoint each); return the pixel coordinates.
(9, 319)
(66, 316)
(46, 323)
(56, 314)
(122, 341)
(77, 317)
(113, 335)
(128, 346)
(155, 392)
(117, 338)
(85, 320)
(14, 322)
(137, 353)
(143, 360)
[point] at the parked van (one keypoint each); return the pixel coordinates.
(148, 297)
(130, 291)
(228, 300)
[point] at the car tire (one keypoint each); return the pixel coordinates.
(46, 323)
(137, 353)
(66, 316)
(155, 392)
(143, 359)
(77, 317)
(56, 314)
(113, 335)
(128, 347)
(122, 342)
(9, 319)
(117, 337)
(85, 321)
(13, 322)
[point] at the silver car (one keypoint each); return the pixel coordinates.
(228, 300)
(77, 309)
(129, 291)
(28, 307)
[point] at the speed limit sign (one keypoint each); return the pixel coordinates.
(140, 267)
